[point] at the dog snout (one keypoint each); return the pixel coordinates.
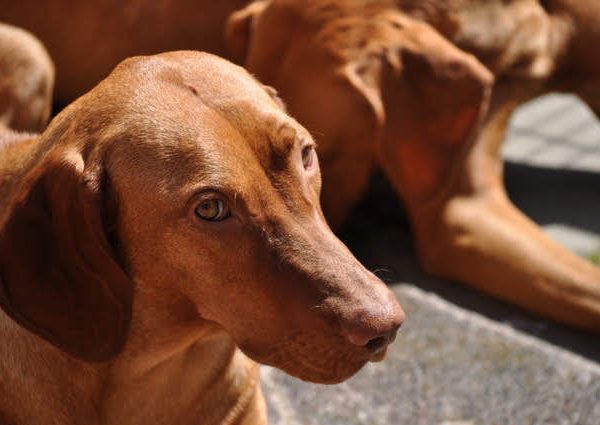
(374, 327)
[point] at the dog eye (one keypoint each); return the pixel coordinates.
(212, 209)
(308, 153)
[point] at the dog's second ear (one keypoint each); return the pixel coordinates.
(443, 83)
(432, 98)
(239, 29)
(60, 276)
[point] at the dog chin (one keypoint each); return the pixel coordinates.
(320, 368)
(324, 376)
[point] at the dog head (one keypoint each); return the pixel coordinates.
(372, 83)
(181, 174)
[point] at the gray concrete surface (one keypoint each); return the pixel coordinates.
(464, 358)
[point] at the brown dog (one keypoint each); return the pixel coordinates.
(161, 221)
(424, 91)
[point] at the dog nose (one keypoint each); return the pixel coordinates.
(374, 329)
(372, 336)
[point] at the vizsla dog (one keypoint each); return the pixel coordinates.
(162, 231)
(423, 89)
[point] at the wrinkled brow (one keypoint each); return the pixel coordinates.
(283, 140)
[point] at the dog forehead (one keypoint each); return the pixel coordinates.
(207, 76)
(188, 115)
(245, 105)
(170, 85)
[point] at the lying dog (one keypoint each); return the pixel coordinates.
(163, 227)
(424, 90)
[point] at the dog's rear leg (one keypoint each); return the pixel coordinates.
(468, 230)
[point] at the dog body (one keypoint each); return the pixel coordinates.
(162, 232)
(424, 90)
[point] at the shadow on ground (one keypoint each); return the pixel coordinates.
(379, 235)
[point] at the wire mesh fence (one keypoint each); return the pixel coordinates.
(556, 131)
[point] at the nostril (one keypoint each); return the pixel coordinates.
(375, 325)
(371, 335)
(377, 344)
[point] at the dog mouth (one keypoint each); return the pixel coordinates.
(332, 373)
(318, 363)
(340, 367)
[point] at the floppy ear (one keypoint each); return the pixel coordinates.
(59, 275)
(238, 29)
(448, 89)
(432, 96)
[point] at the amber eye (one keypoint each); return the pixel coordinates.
(308, 152)
(212, 209)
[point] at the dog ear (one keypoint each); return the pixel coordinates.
(60, 276)
(431, 96)
(238, 29)
(442, 83)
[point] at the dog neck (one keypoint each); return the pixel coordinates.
(173, 354)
